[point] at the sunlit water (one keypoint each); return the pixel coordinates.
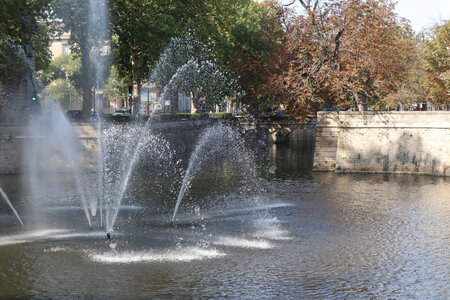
(308, 235)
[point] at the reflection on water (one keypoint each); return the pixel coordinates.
(308, 235)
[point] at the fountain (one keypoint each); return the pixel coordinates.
(259, 231)
(53, 147)
(120, 157)
(217, 144)
(98, 28)
(3, 194)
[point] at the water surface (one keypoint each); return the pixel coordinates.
(298, 234)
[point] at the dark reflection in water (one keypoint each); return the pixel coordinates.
(301, 235)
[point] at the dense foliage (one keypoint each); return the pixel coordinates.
(436, 55)
(22, 32)
(187, 66)
(351, 53)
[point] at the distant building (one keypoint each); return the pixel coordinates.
(151, 99)
(59, 44)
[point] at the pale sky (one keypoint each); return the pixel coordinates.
(421, 13)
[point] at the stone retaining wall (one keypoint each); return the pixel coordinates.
(282, 130)
(14, 138)
(397, 142)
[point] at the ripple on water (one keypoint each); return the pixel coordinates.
(176, 255)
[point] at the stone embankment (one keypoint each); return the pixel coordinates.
(393, 142)
(15, 139)
(396, 142)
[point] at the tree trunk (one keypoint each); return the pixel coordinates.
(136, 85)
(174, 102)
(361, 101)
(194, 104)
(86, 83)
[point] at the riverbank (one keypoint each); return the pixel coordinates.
(379, 142)
(386, 142)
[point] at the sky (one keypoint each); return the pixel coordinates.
(421, 13)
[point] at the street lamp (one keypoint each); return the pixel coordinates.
(148, 99)
(69, 86)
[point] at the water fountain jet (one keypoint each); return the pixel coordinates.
(10, 205)
(218, 143)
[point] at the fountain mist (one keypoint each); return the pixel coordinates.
(53, 144)
(53, 147)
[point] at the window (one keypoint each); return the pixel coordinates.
(66, 49)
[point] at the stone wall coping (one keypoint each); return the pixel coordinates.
(381, 112)
(381, 126)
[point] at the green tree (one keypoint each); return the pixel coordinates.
(187, 66)
(63, 79)
(62, 91)
(412, 88)
(115, 87)
(66, 66)
(23, 32)
(85, 33)
(75, 19)
(251, 49)
(142, 29)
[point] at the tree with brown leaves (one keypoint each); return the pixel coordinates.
(347, 52)
(437, 65)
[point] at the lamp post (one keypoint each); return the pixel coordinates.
(66, 76)
(70, 93)
(148, 99)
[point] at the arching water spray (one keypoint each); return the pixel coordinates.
(10, 205)
(58, 132)
(217, 144)
(54, 147)
(189, 175)
(135, 147)
(62, 136)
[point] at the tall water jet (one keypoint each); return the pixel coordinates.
(98, 20)
(120, 157)
(3, 194)
(137, 138)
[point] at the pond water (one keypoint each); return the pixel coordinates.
(297, 234)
